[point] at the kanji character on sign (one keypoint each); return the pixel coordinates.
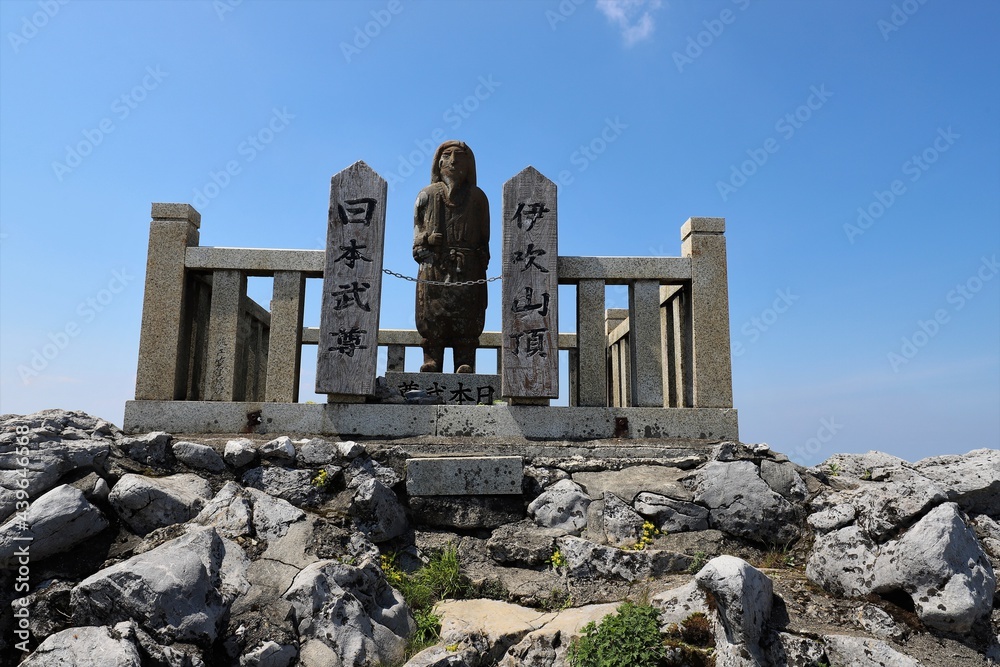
(542, 308)
(461, 395)
(350, 211)
(349, 341)
(534, 213)
(350, 295)
(533, 344)
(529, 256)
(352, 253)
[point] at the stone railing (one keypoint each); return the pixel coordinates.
(203, 339)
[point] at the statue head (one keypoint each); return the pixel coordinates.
(455, 162)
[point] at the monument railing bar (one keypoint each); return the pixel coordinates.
(204, 345)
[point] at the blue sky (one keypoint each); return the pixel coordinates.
(853, 147)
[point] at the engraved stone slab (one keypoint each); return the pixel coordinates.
(452, 388)
(530, 287)
(464, 476)
(352, 283)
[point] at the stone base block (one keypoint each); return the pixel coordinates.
(452, 388)
(464, 476)
(467, 512)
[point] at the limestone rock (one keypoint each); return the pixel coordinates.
(835, 517)
(146, 503)
(864, 652)
(549, 644)
(280, 449)
(352, 610)
(272, 516)
(942, 567)
(466, 512)
(784, 480)
(269, 654)
(292, 484)
(622, 525)
(150, 448)
(584, 560)
(971, 480)
(873, 465)
(178, 591)
(523, 543)
(879, 623)
(317, 452)
(843, 562)
(91, 646)
(742, 504)
(788, 650)
(502, 624)
(56, 522)
(629, 482)
(229, 512)
(677, 604)
(888, 505)
(198, 456)
(363, 469)
(240, 452)
(743, 595)
(378, 512)
(563, 505)
(669, 515)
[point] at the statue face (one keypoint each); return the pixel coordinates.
(454, 163)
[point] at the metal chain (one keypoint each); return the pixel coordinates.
(461, 283)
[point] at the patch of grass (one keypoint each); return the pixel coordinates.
(692, 643)
(628, 638)
(834, 469)
(700, 558)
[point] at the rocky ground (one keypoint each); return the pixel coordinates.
(176, 551)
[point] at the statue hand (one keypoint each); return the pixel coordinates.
(435, 238)
(422, 254)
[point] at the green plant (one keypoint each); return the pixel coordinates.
(649, 532)
(556, 560)
(697, 631)
(321, 480)
(628, 638)
(700, 558)
(867, 474)
(834, 469)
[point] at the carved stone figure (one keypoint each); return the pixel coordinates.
(451, 236)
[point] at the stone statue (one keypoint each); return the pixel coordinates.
(451, 237)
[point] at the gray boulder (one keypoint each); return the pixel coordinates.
(843, 562)
(363, 469)
(677, 604)
(229, 512)
(280, 449)
(352, 610)
(629, 482)
(740, 503)
(669, 515)
(147, 503)
(198, 456)
(178, 592)
(240, 452)
(89, 646)
(941, 566)
(893, 503)
(150, 448)
(971, 480)
(835, 517)
(864, 652)
(622, 525)
(378, 512)
(272, 516)
(523, 543)
(292, 484)
(56, 522)
(587, 560)
(317, 452)
(269, 654)
(743, 595)
(563, 505)
(784, 480)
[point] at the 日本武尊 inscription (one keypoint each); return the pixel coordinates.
(530, 287)
(352, 283)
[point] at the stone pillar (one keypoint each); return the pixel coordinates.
(703, 240)
(163, 340)
(591, 345)
(644, 344)
(284, 356)
(395, 359)
(229, 288)
(617, 368)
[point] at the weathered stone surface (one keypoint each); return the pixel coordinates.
(92, 646)
(198, 456)
(971, 480)
(622, 526)
(584, 559)
(783, 480)
(240, 452)
(317, 452)
(787, 650)
(743, 596)
(291, 484)
(941, 566)
(885, 507)
(44, 465)
(879, 623)
(178, 591)
(460, 476)
(837, 516)
(269, 654)
(742, 504)
(669, 515)
(147, 503)
(864, 652)
(363, 469)
(56, 522)
(229, 512)
(872, 465)
(547, 646)
(272, 516)
(523, 543)
(466, 511)
(501, 623)
(352, 610)
(677, 604)
(280, 449)
(628, 483)
(378, 512)
(563, 505)
(150, 448)
(843, 562)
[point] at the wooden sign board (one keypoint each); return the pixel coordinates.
(530, 292)
(346, 361)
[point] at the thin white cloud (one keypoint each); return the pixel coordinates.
(633, 17)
